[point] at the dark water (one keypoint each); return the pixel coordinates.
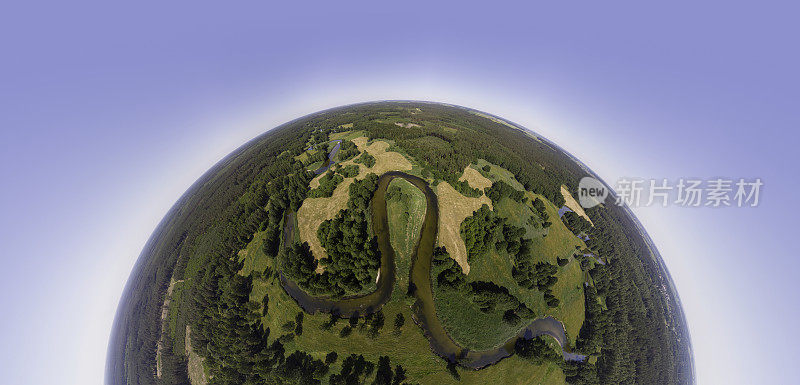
(424, 308)
(365, 303)
(330, 159)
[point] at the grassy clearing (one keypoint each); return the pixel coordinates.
(314, 166)
(407, 347)
(475, 179)
(497, 173)
(450, 130)
(468, 325)
(314, 211)
(384, 160)
(406, 210)
(453, 208)
(174, 328)
(548, 245)
(561, 243)
(346, 135)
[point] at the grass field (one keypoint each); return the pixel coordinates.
(405, 211)
(346, 135)
(453, 208)
(407, 347)
(497, 173)
(475, 179)
(468, 325)
(314, 211)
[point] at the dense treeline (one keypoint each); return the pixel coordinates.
(536, 350)
(347, 150)
(197, 228)
(538, 205)
(445, 153)
(465, 189)
(451, 276)
(366, 159)
(576, 223)
(499, 190)
(327, 184)
(349, 171)
(352, 256)
(590, 336)
(356, 371)
(640, 332)
(480, 231)
(487, 296)
(320, 153)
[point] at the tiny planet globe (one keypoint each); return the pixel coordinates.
(398, 243)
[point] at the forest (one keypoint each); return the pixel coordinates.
(250, 191)
(352, 252)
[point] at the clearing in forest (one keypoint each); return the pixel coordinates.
(453, 208)
(314, 211)
(475, 179)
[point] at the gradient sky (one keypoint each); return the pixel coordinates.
(109, 111)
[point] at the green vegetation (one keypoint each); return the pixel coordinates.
(465, 189)
(347, 150)
(478, 314)
(405, 207)
(349, 171)
(327, 184)
(366, 159)
(501, 189)
(480, 231)
(576, 223)
(536, 350)
(541, 210)
(509, 249)
(352, 252)
(319, 154)
(222, 243)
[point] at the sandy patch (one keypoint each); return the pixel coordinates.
(475, 179)
(164, 314)
(314, 211)
(453, 208)
(451, 130)
(573, 204)
(197, 375)
(407, 125)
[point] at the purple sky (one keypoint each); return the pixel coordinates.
(108, 112)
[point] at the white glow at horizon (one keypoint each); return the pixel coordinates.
(218, 135)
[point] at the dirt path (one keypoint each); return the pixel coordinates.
(197, 375)
(164, 314)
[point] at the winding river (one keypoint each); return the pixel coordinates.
(424, 308)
